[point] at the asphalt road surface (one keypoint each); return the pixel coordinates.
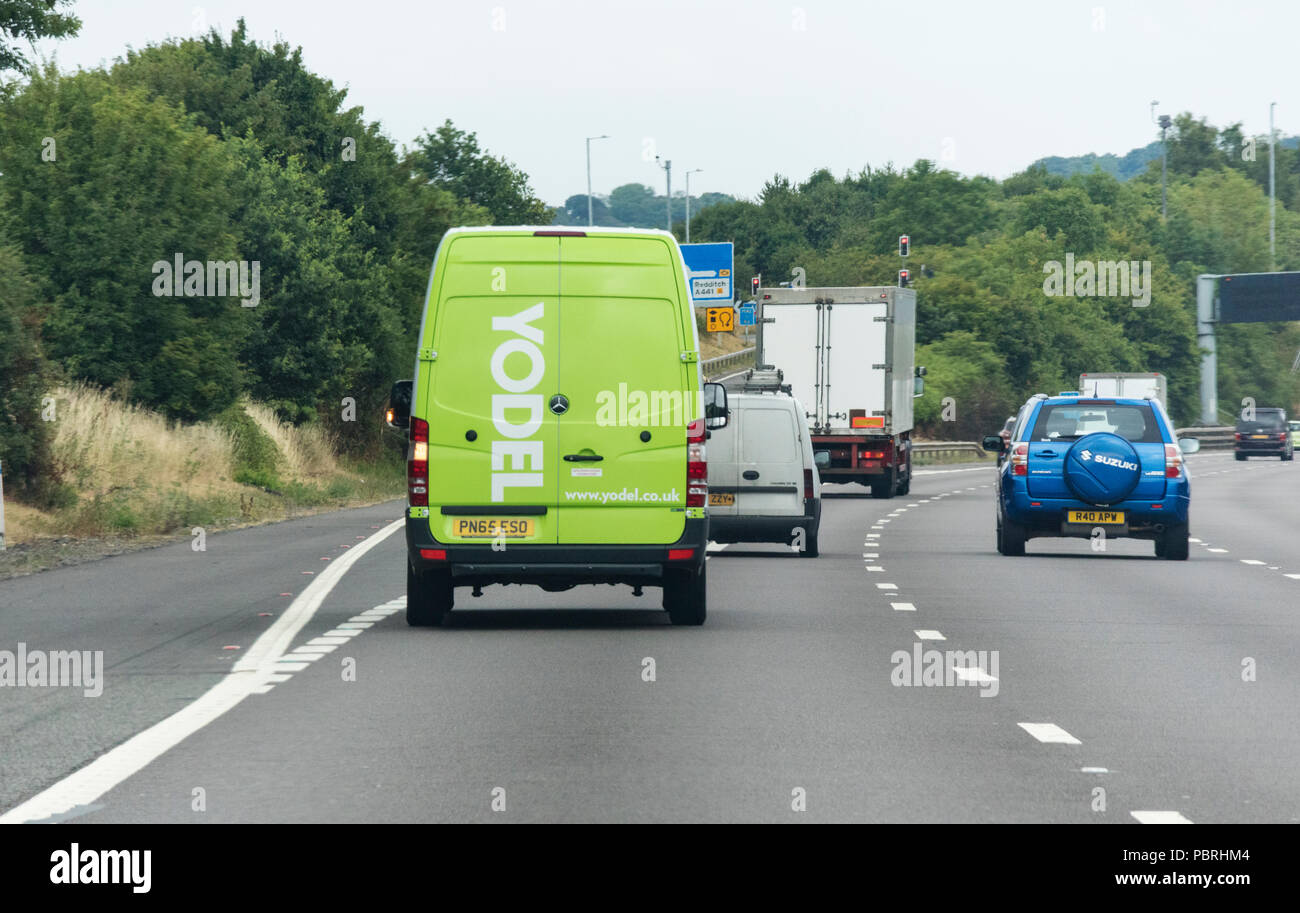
(1083, 686)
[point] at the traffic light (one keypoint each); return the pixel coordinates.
(904, 242)
(753, 286)
(903, 276)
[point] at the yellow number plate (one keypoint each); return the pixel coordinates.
(720, 499)
(492, 528)
(1099, 517)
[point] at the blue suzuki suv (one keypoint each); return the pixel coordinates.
(1075, 465)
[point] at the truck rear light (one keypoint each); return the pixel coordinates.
(697, 470)
(1173, 461)
(433, 554)
(1020, 460)
(681, 554)
(417, 465)
(807, 485)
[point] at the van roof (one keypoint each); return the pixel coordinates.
(517, 230)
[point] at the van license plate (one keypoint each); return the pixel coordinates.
(721, 499)
(1097, 517)
(492, 528)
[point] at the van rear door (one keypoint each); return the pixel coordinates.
(771, 464)
(629, 393)
(486, 370)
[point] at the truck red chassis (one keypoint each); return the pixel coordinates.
(883, 463)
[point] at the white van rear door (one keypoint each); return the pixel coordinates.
(771, 466)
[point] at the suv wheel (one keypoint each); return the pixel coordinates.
(1172, 544)
(429, 597)
(1239, 456)
(1288, 456)
(1011, 538)
(685, 597)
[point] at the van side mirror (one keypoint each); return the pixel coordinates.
(398, 413)
(716, 412)
(918, 382)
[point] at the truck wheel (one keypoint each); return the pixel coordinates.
(429, 597)
(905, 487)
(810, 544)
(1011, 538)
(884, 488)
(1172, 544)
(685, 597)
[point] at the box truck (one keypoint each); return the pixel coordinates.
(847, 355)
(1133, 385)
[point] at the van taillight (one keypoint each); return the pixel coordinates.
(1020, 460)
(1173, 461)
(807, 485)
(697, 470)
(417, 465)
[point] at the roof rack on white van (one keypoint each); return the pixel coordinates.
(765, 381)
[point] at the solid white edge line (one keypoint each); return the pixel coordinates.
(249, 675)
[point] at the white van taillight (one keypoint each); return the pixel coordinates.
(1020, 460)
(697, 470)
(417, 465)
(1173, 461)
(807, 485)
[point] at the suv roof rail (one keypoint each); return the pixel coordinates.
(765, 381)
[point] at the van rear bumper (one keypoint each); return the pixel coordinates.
(765, 528)
(557, 565)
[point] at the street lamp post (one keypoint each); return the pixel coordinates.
(589, 139)
(688, 201)
(1165, 123)
(1272, 192)
(667, 166)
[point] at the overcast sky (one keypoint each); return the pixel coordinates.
(747, 88)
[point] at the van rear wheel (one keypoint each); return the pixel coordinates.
(429, 597)
(685, 597)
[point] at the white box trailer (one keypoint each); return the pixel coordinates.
(848, 356)
(1124, 385)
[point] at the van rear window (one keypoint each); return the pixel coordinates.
(1069, 422)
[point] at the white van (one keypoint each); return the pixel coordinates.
(763, 481)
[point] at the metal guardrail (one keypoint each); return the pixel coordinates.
(975, 447)
(1212, 437)
(712, 366)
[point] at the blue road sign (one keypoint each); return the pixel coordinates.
(747, 315)
(709, 269)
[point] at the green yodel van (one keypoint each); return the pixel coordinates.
(557, 419)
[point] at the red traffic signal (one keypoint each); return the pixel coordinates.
(753, 285)
(904, 243)
(903, 276)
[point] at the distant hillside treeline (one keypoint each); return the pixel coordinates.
(634, 205)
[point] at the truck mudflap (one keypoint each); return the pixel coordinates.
(475, 564)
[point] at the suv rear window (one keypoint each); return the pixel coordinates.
(1264, 421)
(1069, 422)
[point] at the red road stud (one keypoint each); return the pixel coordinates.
(263, 614)
(230, 647)
(286, 594)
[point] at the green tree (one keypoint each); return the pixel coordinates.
(451, 158)
(28, 20)
(24, 438)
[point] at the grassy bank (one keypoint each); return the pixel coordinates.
(122, 474)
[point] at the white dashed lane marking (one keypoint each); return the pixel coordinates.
(1161, 817)
(926, 634)
(1049, 732)
(903, 607)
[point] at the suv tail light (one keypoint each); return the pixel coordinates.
(697, 470)
(1173, 461)
(1282, 436)
(1237, 436)
(417, 464)
(1020, 460)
